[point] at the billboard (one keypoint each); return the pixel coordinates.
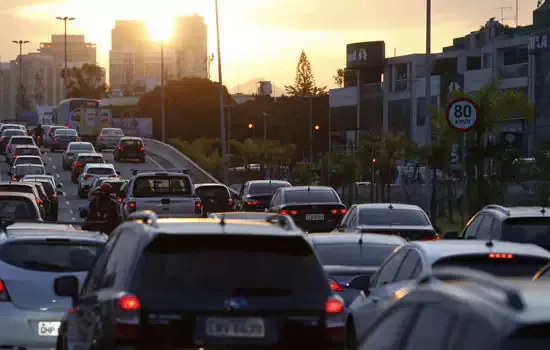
(366, 54)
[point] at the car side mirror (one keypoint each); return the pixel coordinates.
(66, 286)
(451, 235)
(59, 185)
(118, 173)
(83, 213)
(361, 282)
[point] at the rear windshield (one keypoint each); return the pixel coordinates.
(20, 170)
(353, 254)
(27, 151)
(10, 127)
(66, 132)
(48, 187)
(266, 187)
(55, 128)
(181, 267)
(55, 256)
(527, 230)
(101, 171)
(15, 188)
(22, 141)
(160, 186)
(248, 216)
(13, 132)
(517, 266)
(392, 217)
(81, 147)
(90, 159)
(306, 196)
(132, 143)
(212, 191)
(112, 132)
(29, 160)
(17, 208)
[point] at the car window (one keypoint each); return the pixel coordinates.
(66, 132)
(485, 227)
(505, 265)
(393, 217)
(315, 196)
(154, 186)
(117, 267)
(17, 208)
(267, 188)
(90, 159)
(112, 132)
(473, 226)
(16, 188)
(93, 280)
(246, 266)
(27, 151)
(81, 147)
(534, 230)
(100, 171)
(12, 132)
(48, 187)
(353, 254)
(389, 330)
(345, 219)
(50, 257)
(131, 143)
(432, 329)
(22, 169)
(212, 192)
(21, 141)
(407, 269)
(390, 268)
(477, 334)
(29, 160)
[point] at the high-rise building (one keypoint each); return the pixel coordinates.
(129, 35)
(190, 42)
(79, 51)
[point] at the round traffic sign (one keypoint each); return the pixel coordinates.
(462, 114)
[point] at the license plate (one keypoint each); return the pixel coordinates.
(315, 217)
(235, 327)
(48, 329)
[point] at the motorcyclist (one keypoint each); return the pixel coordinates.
(38, 133)
(103, 212)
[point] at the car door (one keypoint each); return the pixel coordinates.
(347, 220)
(242, 193)
(475, 333)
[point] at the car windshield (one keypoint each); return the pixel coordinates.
(27, 151)
(55, 128)
(161, 186)
(50, 256)
(90, 159)
(112, 132)
(392, 217)
(527, 230)
(22, 141)
(101, 171)
(13, 132)
(81, 147)
(66, 132)
(313, 196)
(212, 192)
(353, 254)
(515, 266)
(17, 208)
(266, 187)
(21, 170)
(28, 160)
(246, 266)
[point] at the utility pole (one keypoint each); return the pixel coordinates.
(21, 90)
(428, 97)
(502, 8)
(222, 117)
(517, 13)
(162, 92)
(65, 20)
(265, 115)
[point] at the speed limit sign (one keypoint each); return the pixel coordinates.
(462, 114)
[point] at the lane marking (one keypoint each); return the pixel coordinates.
(71, 211)
(68, 203)
(57, 175)
(54, 167)
(74, 219)
(157, 163)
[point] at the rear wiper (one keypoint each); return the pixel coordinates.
(249, 292)
(43, 265)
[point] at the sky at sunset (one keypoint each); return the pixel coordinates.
(262, 38)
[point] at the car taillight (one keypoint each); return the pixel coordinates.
(434, 238)
(127, 317)
(78, 139)
(294, 212)
(71, 310)
(230, 201)
(501, 256)
(14, 179)
(121, 199)
(132, 206)
(14, 156)
(343, 211)
(334, 306)
(85, 176)
(198, 207)
(55, 139)
(120, 148)
(142, 148)
(114, 176)
(253, 202)
(78, 164)
(283, 212)
(9, 147)
(38, 201)
(102, 138)
(4, 296)
(129, 302)
(86, 190)
(53, 195)
(336, 287)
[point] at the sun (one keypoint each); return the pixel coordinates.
(160, 28)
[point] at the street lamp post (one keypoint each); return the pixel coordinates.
(228, 128)
(265, 115)
(21, 96)
(311, 129)
(222, 117)
(65, 20)
(162, 93)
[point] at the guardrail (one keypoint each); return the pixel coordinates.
(180, 160)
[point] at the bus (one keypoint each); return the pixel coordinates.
(81, 114)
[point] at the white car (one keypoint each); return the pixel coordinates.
(92, 172)
(36, 160)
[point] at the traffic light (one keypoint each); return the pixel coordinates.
(317, 127)
(374, 160)
(251, 126)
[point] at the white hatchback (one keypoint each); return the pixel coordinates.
(92, 172)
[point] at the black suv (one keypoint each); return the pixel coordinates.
(465, 309)
(200, 283)
(130, 148)
(513, 224)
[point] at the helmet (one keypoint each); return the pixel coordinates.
(105, 188)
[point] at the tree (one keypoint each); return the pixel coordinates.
(85, 82)
(339, 78)
(305, 84)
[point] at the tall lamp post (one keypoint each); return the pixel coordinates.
(21, 95)
(428, 96)
(222, 116)
(162, 93)
(65, 20)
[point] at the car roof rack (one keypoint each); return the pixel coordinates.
(513, 298)
(500, 208)
(160, 171)
(147, 217)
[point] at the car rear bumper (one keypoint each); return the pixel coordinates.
(107, 144)
(316, 225)
(20, 327)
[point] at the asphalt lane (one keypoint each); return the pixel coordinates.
(69, 201)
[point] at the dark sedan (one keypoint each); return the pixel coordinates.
(62, 138)
(256, 195)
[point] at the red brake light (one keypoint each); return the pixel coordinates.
(14, 156)
(500, 256)
(343, 211)
(129, 303)
(71, 310)
(334, 306)
(55, 139)
(54, 195)
(198, 204)
(336, 287)
(120, 148)
(283, 212)
(230, 201)
(132, 205)
(294, 212)
(78, 139)
(435, 238)
(102, 138)
(121, 200)
(38, 201)
(78, 164)
(253, 202)
(3, 292)
(86, 191)
(334, 211)
(142, 148)
(14, 179)
(2, 287)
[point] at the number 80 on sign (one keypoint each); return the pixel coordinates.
(462, 114)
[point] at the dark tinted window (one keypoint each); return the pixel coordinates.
(266, 187)
(112, 132)
(18, 208)
(394, 217)
(27, 151)
(21, 141)
(531, 337)
(389, 270)
(50, 256)
(132, 143)
(353, 254)
(48, 187)
(22, 170)
(55, 128)
(16, 188)
(13, 132)
(388, 331)
(180, 268)
(478, 336)
(81, 147)
(101, 171)
(66, 132)
(306, 196)
(431, 330)
(527, 230)
(515, 267)
(212, 191)
(90, 159)
(155, 186)
(28, 160)
(409, 267)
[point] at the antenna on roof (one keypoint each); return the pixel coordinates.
(489, 243)
(308, 188)
(360, 239)
(391, 206)
(222, 220)
(543, 211)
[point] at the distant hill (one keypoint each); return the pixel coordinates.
(250, 87)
